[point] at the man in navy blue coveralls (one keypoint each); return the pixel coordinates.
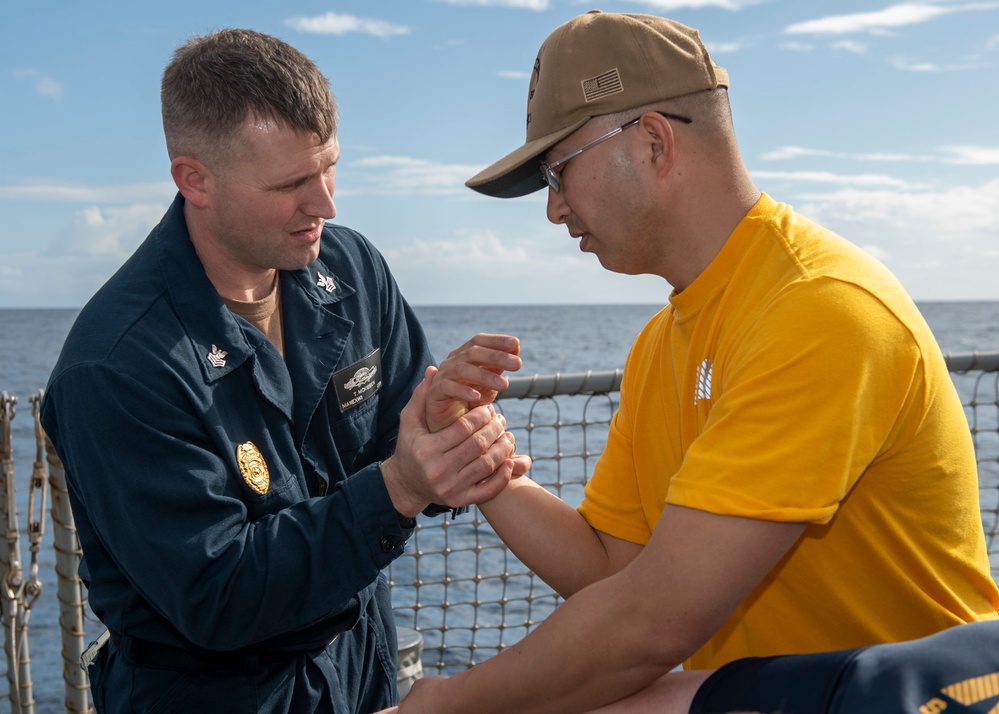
(229, 408)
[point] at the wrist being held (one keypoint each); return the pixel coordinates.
(464, 463)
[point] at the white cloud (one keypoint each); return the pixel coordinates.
(724, 48)
(31, 279)
(881, 21)
(971, 155)
(109, 234)
(670, 5)
(952, 154)
(782, 153)
(336, 24)
(795, 152)
(865, 180)
(468, 248)
(993, 42)
(87, 252)
(910, 66)
(485, 269)
(77, 193)
(403, 176)
(537, 5)
(857, 48)
(942, 244)
(878, 252)
(797, 46)
(44, 85)
(513, 74)
(961, 213)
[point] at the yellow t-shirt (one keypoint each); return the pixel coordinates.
(796, 381)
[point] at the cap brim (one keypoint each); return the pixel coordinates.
(518, 173)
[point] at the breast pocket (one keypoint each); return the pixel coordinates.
(355, 435)
(355, 389)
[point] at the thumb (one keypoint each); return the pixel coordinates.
(415, 409)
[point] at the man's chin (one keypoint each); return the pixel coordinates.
(301, 257)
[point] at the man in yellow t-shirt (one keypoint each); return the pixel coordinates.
(790, 469)
(794, 382)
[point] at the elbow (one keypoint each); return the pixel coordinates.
(665, 646)
(663, 635)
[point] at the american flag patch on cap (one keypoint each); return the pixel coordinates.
(603, 84)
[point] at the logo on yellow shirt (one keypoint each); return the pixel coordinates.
(702, 387)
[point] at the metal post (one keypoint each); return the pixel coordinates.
(12, 585)
(70, 588)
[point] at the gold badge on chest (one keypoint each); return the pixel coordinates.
(253, 467)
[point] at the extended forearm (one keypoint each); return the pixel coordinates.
(548, 535)
(594, 649)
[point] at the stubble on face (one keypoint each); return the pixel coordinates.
(270, 202)
(610, 214)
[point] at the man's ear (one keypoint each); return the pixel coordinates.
(193, 180)
(662, 141)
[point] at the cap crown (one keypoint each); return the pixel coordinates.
(599, 63)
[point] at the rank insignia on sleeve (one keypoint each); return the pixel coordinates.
(253, 467)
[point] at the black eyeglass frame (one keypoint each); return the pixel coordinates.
(554, 180)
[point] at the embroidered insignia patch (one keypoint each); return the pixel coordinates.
(253, 467)
(217, 357)
(603, 84)
(359, 382)
(326, 283)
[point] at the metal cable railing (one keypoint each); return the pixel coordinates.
(457, 584)
(976, 376)
(470, 597)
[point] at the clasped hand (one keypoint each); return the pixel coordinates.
(453, 447)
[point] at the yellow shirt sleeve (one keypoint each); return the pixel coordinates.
(804, 406)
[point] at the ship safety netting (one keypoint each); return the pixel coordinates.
(470, 597)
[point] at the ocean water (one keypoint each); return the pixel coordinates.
(553, 339)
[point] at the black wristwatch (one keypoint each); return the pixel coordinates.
(435, 509)
(405, 522)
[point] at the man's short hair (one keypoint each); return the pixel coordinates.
(214, 82)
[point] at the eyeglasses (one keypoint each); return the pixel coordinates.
(553, 178)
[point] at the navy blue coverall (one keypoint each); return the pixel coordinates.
(251, 565)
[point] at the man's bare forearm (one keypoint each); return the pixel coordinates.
(549, 536)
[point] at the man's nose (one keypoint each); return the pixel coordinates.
(557, 209)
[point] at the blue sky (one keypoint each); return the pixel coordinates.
(876, 119)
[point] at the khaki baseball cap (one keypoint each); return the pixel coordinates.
(598, 63)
